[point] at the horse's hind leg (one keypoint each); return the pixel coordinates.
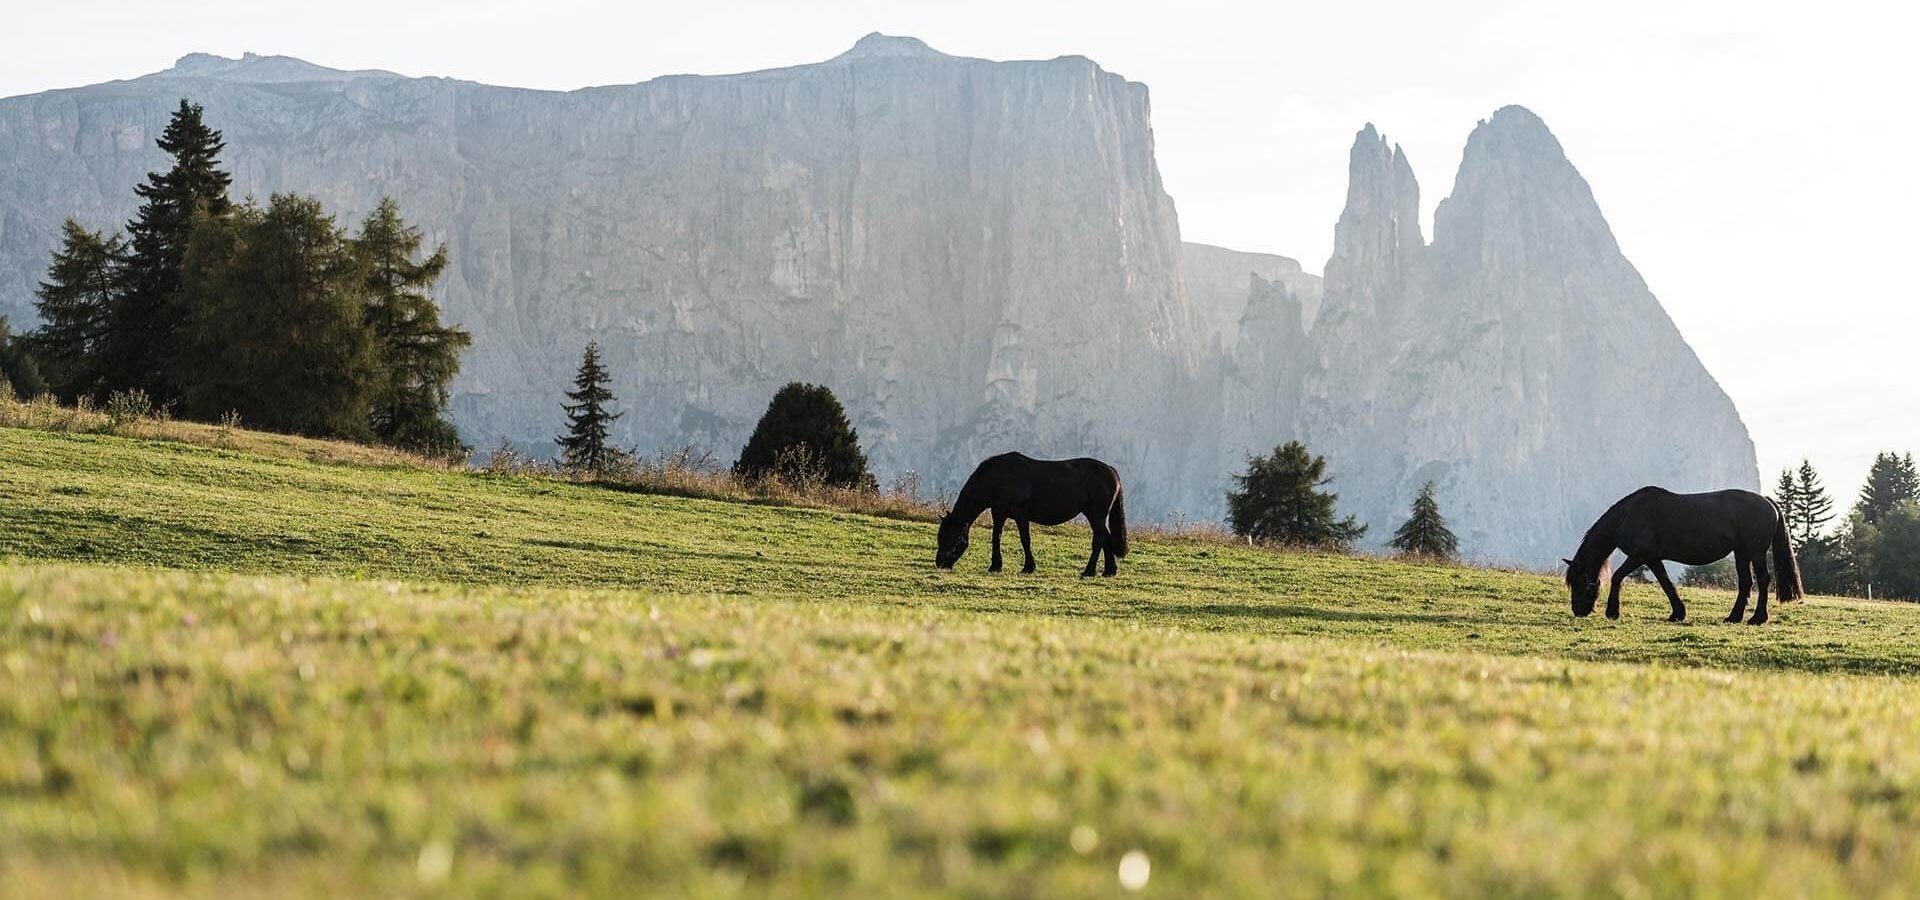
(998, 521)
(1666, 584)
(1026, 546)
(1763, 580)
(1743, 567)
(1099, 542)
(1112, 567)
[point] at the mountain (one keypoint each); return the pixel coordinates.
(975, 256)
(1218, 285)
(1519, 361)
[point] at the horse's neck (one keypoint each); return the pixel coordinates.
(971, 502)
(1597, 545)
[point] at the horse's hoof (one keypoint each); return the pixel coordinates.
(1109, 573)
(1757, 619)
(1087, 574)
(1027, 570)
(1613, 614)
(1733, 617)
(993, 570)
(1677, 617)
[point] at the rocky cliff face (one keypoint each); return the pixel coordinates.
(1219, 288)
(1519, 361)
(975, 256)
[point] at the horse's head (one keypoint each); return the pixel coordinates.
(953, 541)
(1583, 585)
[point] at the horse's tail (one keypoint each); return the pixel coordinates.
(1117, 522)
(1786, 570)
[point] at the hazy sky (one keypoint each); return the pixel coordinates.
(1757, 161)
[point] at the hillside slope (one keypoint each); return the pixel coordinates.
(397, 681)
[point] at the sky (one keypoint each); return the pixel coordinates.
(1755, 159)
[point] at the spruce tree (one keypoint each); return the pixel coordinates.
(149, 316)
(1815, 508)
(277, 331)
(805, 431)
(1890, 481)
(1279, 500)
(1425, 532)
(76, 305)
(418, 356)
(584, 447)
(1786, 498)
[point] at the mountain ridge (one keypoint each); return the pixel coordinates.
(975, 255)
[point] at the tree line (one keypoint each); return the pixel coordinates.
(272, 313)
(1875, 549)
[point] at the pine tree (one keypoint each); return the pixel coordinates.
(803, 433)
(277, 331)
(1815, 508)
(418, 356)
(1890, 481)
(1786, 498)
(584, 447)
(1425, 532)
(148, 318)
(1279, 500)
(76, 304)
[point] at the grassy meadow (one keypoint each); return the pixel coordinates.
(249, 670)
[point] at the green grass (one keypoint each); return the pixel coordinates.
(396, 681)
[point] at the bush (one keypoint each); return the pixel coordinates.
(804, 438)
(127, 407)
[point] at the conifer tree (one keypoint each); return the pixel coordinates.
(1425, 532)
(805, 428)
(1815, 508)
(584, 447)
(1786, 498)
(76, 305)
(148, 317)
(418, 356)
(277, 331)
(1279, 499)
(1890, 481)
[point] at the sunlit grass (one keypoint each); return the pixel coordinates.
(396, 681)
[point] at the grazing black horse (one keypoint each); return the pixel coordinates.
(1049, 491)
(1654, 524)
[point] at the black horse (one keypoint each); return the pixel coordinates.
(1653, 524)
(1018, 487)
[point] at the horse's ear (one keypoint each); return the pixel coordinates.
(1567, 561)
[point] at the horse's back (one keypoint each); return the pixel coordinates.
(1701, 527)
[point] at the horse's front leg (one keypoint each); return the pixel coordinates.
(1026, 546)
(998, 520)
(1619, 578)
(1666, 584)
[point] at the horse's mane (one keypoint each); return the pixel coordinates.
(1596, 531)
